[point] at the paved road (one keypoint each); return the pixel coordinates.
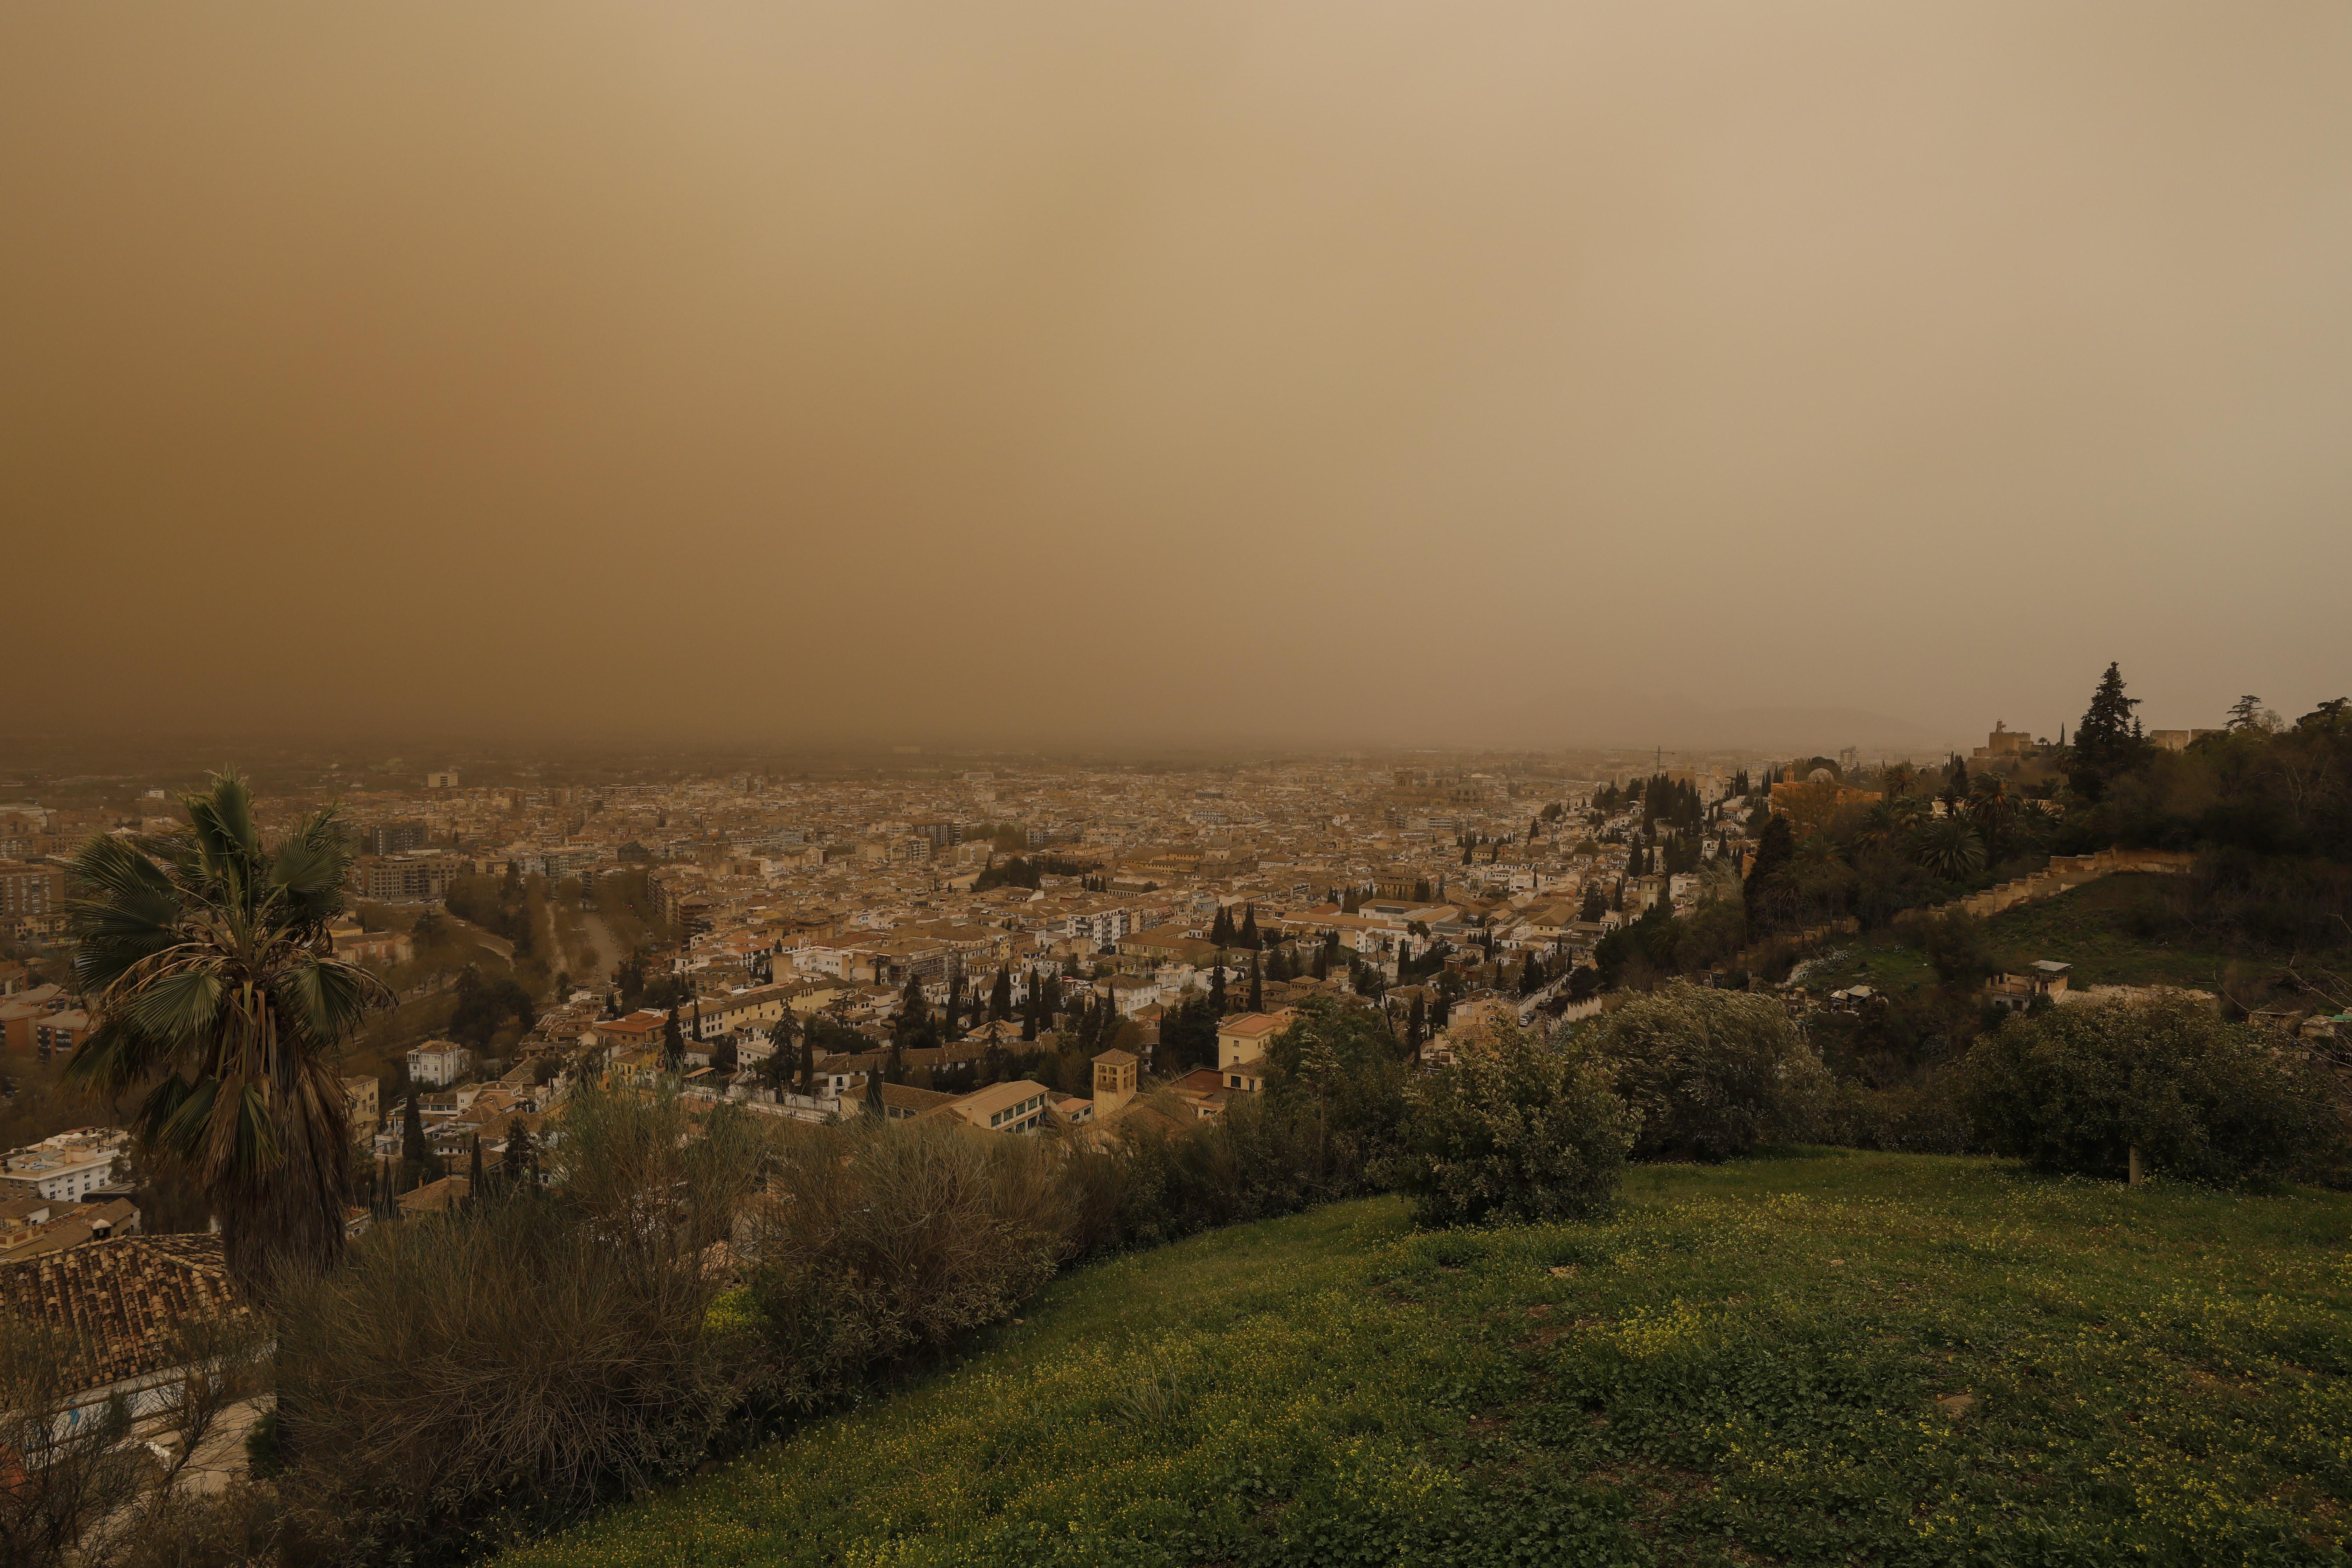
(496, 943)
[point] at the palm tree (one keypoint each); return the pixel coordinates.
(1994, 808)
(204, 955)
(1950, 848)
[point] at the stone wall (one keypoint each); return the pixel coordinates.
(2063, 873)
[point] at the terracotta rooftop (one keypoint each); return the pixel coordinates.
(121, 1298)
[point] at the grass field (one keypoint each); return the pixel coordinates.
(2087, 928)
(1831, 1358)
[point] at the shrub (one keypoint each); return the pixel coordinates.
(506, 1366)
(1712, 1073)
(1923, 1116)
(1515, 1130)
(1958, 948)
(503, 1368)
(878, 1242)
(2075, 1089)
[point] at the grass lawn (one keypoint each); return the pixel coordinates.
(1830, 1358)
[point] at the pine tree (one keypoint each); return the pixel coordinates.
(2105, 744)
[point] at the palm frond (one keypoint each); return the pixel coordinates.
(113, 1058)
(326, 998)
(119, 865)
(179, 1130)
(309, 870)
(181, 1002)
(156, 1112)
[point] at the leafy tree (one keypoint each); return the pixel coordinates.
(1188, 1035)
(203, 954)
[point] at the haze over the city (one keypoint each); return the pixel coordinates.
(1800, 375)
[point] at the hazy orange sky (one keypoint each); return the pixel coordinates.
(1350, 372)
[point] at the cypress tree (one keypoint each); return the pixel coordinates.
(474, 1172)
(521, 1158)
(1217, 987)
(1774, 850)
(999, 996)
(1249, 937)
(1030, 1002)
(1257, 987)
(413, 1149)
(673, 1046)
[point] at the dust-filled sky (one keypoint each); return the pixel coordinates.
(1547, 372)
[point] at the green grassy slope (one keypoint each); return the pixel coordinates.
(2089, 928)
(1838, 1358)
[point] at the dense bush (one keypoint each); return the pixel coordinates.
(506, 1366)
(1922, 1116)
(2076, 1089)
(876, 1242)
(1515, 1130)
(1711, 1073)
(1958, 947)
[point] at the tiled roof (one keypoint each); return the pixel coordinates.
(121, 1298)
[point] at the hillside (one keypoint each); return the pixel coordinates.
(2098, 927)
(1833, 1358)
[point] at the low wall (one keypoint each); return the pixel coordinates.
(2063, 873)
